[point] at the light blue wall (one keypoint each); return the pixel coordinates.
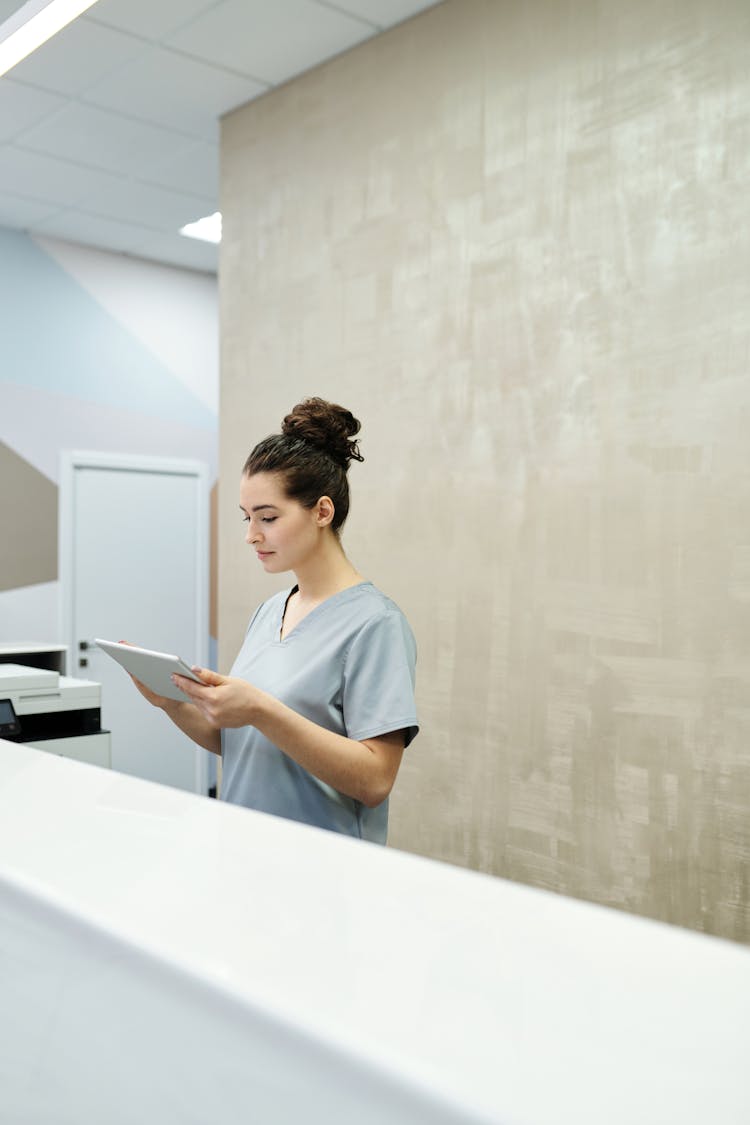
(57, 337)
(74, 374)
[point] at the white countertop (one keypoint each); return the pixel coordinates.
(482, 999)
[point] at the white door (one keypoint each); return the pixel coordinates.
(134, 566)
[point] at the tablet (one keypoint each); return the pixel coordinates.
(153, 669)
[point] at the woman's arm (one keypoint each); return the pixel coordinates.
(363, 770)
(186, 716)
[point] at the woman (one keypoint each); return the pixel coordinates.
(319, 707)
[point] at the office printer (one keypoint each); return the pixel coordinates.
(51, 712)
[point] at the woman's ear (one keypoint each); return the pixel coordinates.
(325, 511)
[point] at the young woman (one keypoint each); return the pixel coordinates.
(313, 720)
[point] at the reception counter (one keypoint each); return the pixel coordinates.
(165, 958)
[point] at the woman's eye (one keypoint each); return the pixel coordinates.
(269, 519)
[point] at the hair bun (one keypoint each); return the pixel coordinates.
(327, 426)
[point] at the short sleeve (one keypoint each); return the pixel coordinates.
(379, 677)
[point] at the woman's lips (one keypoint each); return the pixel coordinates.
(263, 554)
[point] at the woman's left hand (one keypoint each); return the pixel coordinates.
(224, 700)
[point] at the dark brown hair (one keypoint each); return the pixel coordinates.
(312, 454)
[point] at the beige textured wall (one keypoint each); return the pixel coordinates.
(28, 517)
(513, 238)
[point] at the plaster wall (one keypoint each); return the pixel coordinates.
(513, 239)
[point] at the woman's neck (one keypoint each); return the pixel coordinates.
(326, 573)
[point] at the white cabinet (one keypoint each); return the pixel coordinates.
(91, 748)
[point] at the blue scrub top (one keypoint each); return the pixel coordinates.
(349, 666)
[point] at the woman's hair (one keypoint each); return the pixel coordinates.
(312, 454)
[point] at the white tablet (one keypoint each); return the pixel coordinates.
(154, 669)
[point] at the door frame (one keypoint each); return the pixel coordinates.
(73, 460)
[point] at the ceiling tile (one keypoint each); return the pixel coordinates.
(385, 13)
(108, 133)
(47, 179)
(196, 171)
(172, 90)
(157, 207)
(104, 140)
(8, 7)
(77, 57)
(189, 253)
(270, 42)
(23, 106)
(18, 212)
(91, 230)
(151, 19)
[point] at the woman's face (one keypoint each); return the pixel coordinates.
(283, 534)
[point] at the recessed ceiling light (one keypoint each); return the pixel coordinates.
(33, 24)
(208, 229)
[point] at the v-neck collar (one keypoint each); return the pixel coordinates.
(315, 611)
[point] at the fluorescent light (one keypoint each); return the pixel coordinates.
(208, 229)
(33, 24)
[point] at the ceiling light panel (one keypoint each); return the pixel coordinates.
(32, 25)
(78, 57)
(205, 229)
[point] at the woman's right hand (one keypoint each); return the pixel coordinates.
(185, 716)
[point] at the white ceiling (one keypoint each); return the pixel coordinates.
(109, 132)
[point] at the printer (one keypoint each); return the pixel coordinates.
(48, 711)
